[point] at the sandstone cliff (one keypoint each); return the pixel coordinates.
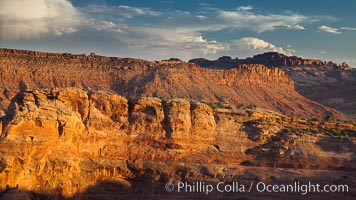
(265, 87)
(63, 141)
(325, 82)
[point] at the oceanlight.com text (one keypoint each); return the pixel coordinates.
(236, 187)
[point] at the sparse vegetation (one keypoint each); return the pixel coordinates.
(248, 106)
(341, 132)
(329, 118)
(293, 129)
(292, 116)
(334, 131)
(241, 106)
(314, 120)
(219, 105)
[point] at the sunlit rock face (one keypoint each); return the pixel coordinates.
(322, 81)
(248, 83)
(69, 141)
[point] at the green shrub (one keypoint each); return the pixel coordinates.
(335, 132)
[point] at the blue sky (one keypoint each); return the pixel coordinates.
(160, 29)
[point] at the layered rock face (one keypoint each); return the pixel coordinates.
(265, 87)
(325, 82)
(62, 142)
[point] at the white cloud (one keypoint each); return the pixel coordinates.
(323, 52)
(31, 19)
(119, 11)
(178, 37)
(251, 46)
(181, 12)
(291, 27)
(244, 8)
(174, 34)
(329, 29)
(290, 52)
(130, 12)
(197, 39)
(202, 17)
(260, 22)
(215, 19)
(348, 28)
(296, 27)
(169, 42)
(107, 26)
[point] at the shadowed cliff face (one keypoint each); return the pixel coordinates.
(325, 82)
(248, 84)
(67, 142)
(270, 59)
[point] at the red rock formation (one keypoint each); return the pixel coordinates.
(248, 84)
(49, 147)
(311, 77)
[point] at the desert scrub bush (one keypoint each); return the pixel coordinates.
(219, 105)
(335, 131)
(293, 129)
(251, 106)
(330, 133)
(329, 118)
(292, 117)
(339, 132)
(241, 106)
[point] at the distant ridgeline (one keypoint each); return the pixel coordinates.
(328, 83)
(270, 59)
